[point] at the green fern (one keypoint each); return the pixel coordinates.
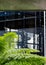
(11, 56)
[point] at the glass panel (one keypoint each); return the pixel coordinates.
(20, 38)
(28, 25)
(30, 37)
(36, 46)
(30, 46)
(36, 38)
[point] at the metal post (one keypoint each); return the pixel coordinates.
(44, 33)
(34, 31)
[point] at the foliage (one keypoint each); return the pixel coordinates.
(12, 56)
(2, 45)
(23, 59)
(9, 38)
(5, 41)
(26, 50)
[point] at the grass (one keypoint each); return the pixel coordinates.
(18, 4)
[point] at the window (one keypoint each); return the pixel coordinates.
(29, 26)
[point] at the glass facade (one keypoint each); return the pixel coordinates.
(29, 25)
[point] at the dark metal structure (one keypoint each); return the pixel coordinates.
(29, 25)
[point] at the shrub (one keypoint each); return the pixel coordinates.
(11, 56)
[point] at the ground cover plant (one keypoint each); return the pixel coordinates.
(9, 55)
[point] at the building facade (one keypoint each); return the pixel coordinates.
(29, 25)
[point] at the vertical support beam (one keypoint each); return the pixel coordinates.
(44, 33)
(35, 30)
(40, 31)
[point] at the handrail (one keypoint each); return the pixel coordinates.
(17, 19)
